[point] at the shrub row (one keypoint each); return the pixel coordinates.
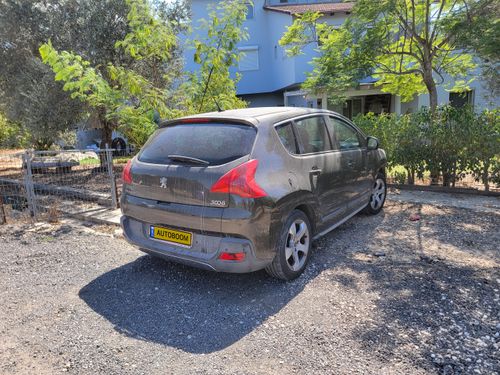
(450, 143)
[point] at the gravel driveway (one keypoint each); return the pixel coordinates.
(382, 295)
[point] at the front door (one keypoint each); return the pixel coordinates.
(353, 161)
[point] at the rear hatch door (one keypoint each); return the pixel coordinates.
(182, 161)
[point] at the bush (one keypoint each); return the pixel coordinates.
(12, 135)
(451, 143)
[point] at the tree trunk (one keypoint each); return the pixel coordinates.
(106, 134)
(430, 84)
(485, 177)
(433, 103)
(433, 96)
(411, 176)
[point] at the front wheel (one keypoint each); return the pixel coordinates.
(293, 248)
(377, 198)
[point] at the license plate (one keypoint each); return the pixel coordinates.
(170, 235)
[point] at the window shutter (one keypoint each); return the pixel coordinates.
(249, 59)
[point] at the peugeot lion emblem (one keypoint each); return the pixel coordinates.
(163, 182)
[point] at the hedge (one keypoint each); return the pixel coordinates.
(451, 143)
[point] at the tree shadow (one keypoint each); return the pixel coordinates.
(433, 309)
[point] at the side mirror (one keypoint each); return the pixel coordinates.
(372, 143)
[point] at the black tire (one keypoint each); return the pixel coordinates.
(120, 147)
(281, 268)
(379, 190)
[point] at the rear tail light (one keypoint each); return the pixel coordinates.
(232, 256)
(127, 175)
(240, 181)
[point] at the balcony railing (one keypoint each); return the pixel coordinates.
(293, 2)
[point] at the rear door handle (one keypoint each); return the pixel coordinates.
(315, 171)
(350, 163)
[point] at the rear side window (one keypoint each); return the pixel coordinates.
(213, 142)
(287, 138)
(312, 134)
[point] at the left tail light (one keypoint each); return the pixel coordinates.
(127, 175)
(240, 181)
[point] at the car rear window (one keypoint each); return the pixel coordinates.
(215, 143)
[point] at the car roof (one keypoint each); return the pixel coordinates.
(258, 116)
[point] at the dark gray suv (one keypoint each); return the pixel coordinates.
(243, 190)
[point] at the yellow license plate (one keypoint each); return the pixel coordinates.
(169, 235)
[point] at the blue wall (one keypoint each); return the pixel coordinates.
(276, 70)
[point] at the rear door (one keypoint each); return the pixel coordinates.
(181, 162)
(321, 165)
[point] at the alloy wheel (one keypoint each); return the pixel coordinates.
(297, 245)
(378, 194)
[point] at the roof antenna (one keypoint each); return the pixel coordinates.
(217, 104)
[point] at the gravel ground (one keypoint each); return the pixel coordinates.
(382, 295)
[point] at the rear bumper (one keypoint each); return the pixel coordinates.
(204, 252)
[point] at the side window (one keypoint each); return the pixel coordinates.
(312, 135)
(346, 136)
(287, 138)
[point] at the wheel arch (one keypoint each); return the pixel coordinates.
(304, 201)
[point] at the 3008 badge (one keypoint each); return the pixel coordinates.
(218, 203)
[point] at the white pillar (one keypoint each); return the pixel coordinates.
(397, 104)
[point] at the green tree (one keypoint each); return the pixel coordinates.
(212, 86)
(122, 95)
(408, 45)
(126, 98)
(480, 35)
(28, 92)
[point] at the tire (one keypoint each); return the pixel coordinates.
(377, 198)
(120, 147)
(292, 254)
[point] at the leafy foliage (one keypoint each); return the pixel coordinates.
(480, 35)
(455, 142)
(212, 86)
(404, 44)
(149, 37)
(27, 87)
(131, 101)
(12, 135)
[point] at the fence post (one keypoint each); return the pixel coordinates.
(109, 166)
(28, 183)
(3, 217)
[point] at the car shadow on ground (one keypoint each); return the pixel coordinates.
(194, 310)
(203, 312)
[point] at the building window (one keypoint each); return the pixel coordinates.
(461, 99)
(249, 59)
(250, 11)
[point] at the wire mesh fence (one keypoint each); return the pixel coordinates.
(44, 184)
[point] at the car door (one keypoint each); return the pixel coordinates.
(353, 158)
(321, 165)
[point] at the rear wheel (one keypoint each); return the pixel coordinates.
(293, 248)
(377, 199)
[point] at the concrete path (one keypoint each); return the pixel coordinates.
(478, 203)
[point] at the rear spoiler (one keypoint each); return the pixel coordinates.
(204, 120)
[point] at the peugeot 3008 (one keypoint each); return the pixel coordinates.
(243, 190)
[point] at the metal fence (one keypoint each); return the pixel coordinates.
(34, 184)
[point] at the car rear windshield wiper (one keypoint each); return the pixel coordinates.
(188, 159)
